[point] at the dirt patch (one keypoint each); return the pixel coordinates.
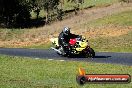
(16, 44)
(107, 32)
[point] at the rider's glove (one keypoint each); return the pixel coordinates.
(83, 37)
(66, 45)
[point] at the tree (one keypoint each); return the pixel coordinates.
(49, 5)
(14, 12)
(62, 3)
(7, 11)
(77, 4)
(37, 5)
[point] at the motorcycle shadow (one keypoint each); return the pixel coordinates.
(82, 56)
(102, 56)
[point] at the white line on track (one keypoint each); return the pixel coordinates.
(61, 60)
(36, 58)
(56, 60)
(50, 59)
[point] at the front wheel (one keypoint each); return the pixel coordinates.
(90, 53)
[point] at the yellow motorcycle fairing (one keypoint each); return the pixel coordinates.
(83, 45)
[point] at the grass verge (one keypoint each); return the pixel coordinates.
(120, 19)
(40, 46)
(19, 72)
(121, 43)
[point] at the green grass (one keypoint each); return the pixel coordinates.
(10, 34)
(88, 3)
(120, 19)
(98, 3)
(39, 46)
(19, 72)
(121, 43)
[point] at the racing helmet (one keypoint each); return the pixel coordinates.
(66, 30)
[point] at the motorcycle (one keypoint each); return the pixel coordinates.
(78, 46)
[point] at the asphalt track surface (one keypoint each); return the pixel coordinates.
(101, 57)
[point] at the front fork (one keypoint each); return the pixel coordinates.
(86, 49)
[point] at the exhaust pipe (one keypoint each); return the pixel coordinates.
(56, 50)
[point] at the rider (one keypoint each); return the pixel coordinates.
(64, 38)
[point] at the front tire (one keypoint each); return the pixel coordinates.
(90, 53)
